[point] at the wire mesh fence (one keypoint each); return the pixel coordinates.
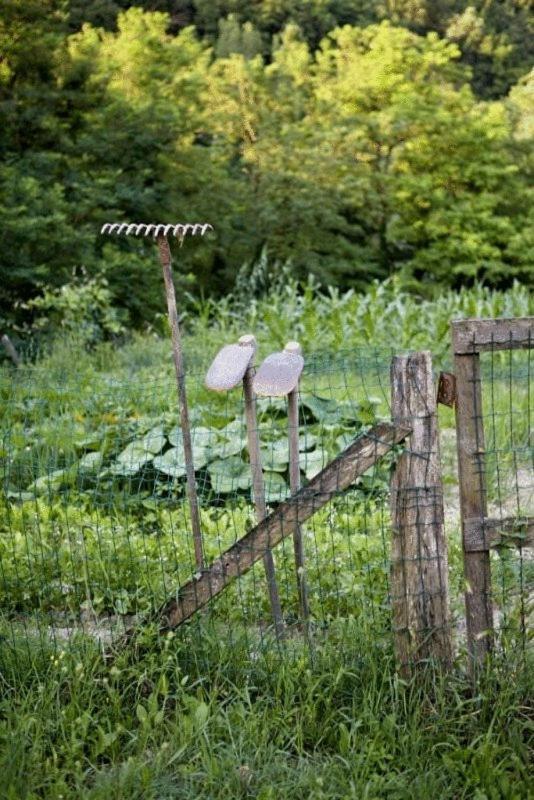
(95, 524)
(507, 485)
(95, 528)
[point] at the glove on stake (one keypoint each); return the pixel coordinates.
(232, 364)
(278, 376)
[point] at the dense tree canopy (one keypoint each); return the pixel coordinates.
(352, 139)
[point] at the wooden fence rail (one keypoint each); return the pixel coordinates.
(337, 476)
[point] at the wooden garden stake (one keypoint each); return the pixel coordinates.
(279, 376)
(233, 364)
(191, 487)
(419, 560)
(294, 483)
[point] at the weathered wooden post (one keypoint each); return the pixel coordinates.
(419, 560)
(473, 501)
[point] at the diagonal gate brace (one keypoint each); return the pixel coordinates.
(337, 476)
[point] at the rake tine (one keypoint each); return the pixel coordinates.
(179, 230)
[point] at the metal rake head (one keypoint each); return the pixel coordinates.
(180, 230)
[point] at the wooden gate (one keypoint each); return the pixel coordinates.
(481, 532)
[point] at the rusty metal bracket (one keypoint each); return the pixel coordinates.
(447, 389)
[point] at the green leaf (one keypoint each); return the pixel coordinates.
(131, 459)
(228, 441)
(275, 456)
(200, 444)
(276, 488)
(12, 494)
(307, 441)
(343, 441)
(313, 462)
(229, 475)
(90, 462)
(142, 714)
(171, 463)
(322, 409)
(201, 714)
(52, 481)
(154, 440)
(367, 410)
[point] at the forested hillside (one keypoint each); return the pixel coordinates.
(352, 139)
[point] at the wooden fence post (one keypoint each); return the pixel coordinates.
(419, 560)
(470, 444)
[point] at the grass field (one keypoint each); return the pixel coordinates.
(88, 528)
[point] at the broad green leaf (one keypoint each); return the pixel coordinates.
(228, 441)
(272, 406)
(275, 456)
(323, 409)
(171, 463)
(276, 488)
(200, 440)
(131, 459)
(154, 440)
(90, 462)
(229, 474)
(51, 481)
(201, 714)
(313, 462)
(12, 494)
(307, 441)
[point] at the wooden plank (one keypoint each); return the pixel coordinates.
(279, 374)
(470, 446)
(229, 366)
(334, 478)
(478, 335)
(482, 534)
(419, 568)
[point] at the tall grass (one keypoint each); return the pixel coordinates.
(159, 728)
(162, 721)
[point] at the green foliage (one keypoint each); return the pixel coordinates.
(82, 309)
(351, 149)
(215, 711)
(168, 726)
